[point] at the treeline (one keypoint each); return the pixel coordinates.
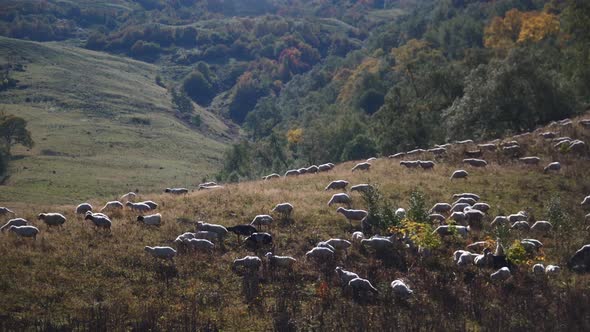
(446, 70)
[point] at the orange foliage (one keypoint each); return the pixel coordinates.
(369, 65)
(519, 27)
(294, 135)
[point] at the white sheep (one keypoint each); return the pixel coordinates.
(435, 217)
(458, 253)
(475, 162)
(199, 244)
(210, 187)
(357, 237)
(363, 187)
(219, 229)
(138, 207)
(499, 220)
(467, 141)
(441, 208)
(361, 167)
(400, 213)
(99, 220)
(577, 146)
(554, 166)
(520, 216)
(25, 231)
(153, 205)
(459, 217)
(485, 259)
(377, 243)
(459, 174)
(586, 201)
(530, 160)
(542, 226)
(469, 195)
(151, 220)
(345, 276)
(176, 191)
(362, 285)
(161, 252)
(5, 211)
(292, 172)
(183, 237)
(339, 244)
(14, 222)
(466, 259)
(530, 246)
(428, 164)
(325, 167)
(341, 198)
(400, 289)
(470, 201)
(112, 205)
(437, 151)
(410, 163)
(460, 207)
(312, 169)
(320, 254)
(548, 134)
(52, 219)
(283, 208)
(285, 262)
(552, 270)
(302, 170)
(483, 207)
(521, 226)
(271, 176)
(262, 220)
(337, 184)
(444, 230)
(397, 155)
(487, 146)
(206, 235)
(538, 270)
(83, 208)
(128, 197)
(352, 214)
(477, 246)
(501, 275)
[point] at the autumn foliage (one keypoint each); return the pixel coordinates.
(520, 27)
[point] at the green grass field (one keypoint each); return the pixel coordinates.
(87, 112)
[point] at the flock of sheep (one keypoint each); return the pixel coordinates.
(465, 215)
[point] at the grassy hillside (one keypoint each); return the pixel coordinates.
(101, 125)
(76, 277)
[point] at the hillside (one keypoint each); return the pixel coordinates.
(101, 125)
(75, 277)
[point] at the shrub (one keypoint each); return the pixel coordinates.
(381, 216)
(417, 211)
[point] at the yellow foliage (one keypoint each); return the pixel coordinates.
(369, 65)
(538, 27)
(294, 135)
(519, 27)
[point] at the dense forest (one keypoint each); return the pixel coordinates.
(312, 82)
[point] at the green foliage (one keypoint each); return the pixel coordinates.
(517, 253)
(13, 130)
(182, 102)
(381, 215)
(361, 147)
(198, 88)
(196, 120)
(417, 210)
(371, 100)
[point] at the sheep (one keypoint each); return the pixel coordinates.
(577, 146)
(83, 208)
(352, 214)
(338, 244)
(521, 226)
(542, 227)
(529, 246)
(426, 164)
(520, 216)
(538, 270)
(210, 187)
(357, 237)
(25, 231)
(397, 155)
(474, 217)
(415, 151)
(128, 197)
(285, 262)
(5, 210)
(483, 207)
(151, 220)
(312, 169)
(99, 220)
(138, 207)
(473, 153)
(206, 235)
(338, 184)
(220, 230)
(477, 246)
(459, 174)
(548, 134)
(257, 241)
(499, 220)
(466, 259)
(436, 217)
(400, 213)
(363, 187)
(361, 167)
(530, 160)
(325, 167)
(362, 285)
(441, 208)
(484, 260)
(323, 244)
(468, 195)
(345, 276)
(562, 144)
(283, 208)
(554, 166)
(467, 200)
(320, 254)
(459, 217)
(580, 261)
(552, 270)
(377, 243)
(176, 191)
(475, 162)
(501, 275)
(161, 252)
(444, 230)
(437, 151)
(400, 289)
(112, 205)
(487, 147)
(512, 150)
(467, 141)
(458, 253)
(585, 201)
(153, 205)
(302, 170)
(271, 176)
(584, 123)
(52, 219)
(245, 230)
(459, 207)
(184, 237)
(14, 222)
(199, 244)
(410, 163)
(262, 220)
(248, 263)
(208, 184)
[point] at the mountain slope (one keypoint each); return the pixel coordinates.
(101, 125)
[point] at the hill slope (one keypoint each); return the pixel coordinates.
(76, 277)
(100, 123)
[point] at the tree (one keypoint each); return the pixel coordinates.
(198, 88)
(361, 147)
(520, 27)
(13, 130)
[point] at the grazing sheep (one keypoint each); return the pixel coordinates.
(325, 167)
(262, 220)
(415, 151)
(323, 244)
(361, 167)
(184, 237)
(245, 230)
(99, 220)
(410, 163)
(530, 160)
(338, 244)
(128, 197)
(25, 231)
(285, 262)
(248, 263)
(437, 151)
(441, 208)
(363, 187)
(483, 207)
(512, 150)
(357, 237)
(467, 141)
(302, 170)
(176, 191)
(5, 210)
(436, 217)
(14, 222)
(426, 164)
(467, 200)
(320, 254)
(52, 219)
(220, 230)
(538, 270)
(548, 134)
(200, 244)
(580, 261)
(161, 252)
(400, 289)
(151, 220)
(477, 246)
(312, 169)
(475, 162)
(530, 246)
(554, 166)
(112, 205)
(271, 176)
(520, 216)
(400, 213)
(153, 205)
(206, 235)
(138, 207)
(499, 220)
(397, 155)
(257, 241)
(210, 187)
(338, 184)
(487, 147)
(377, 243)
(484, 260)
(83, 208)
(352, 214)
(552, 270)
(459, 217)
(585, 201)
(460, 207)
(562, 144)
(584, 123)
(466, 259)
(444, 230)
(501, 275)
(341, 198)
(208, 184)
(458, 253)
(468, 195)
(521, 226)
(473, 154)
(459, 174)
(362, 285)
(283, 208)
(345, 276)
(473, 216)
(542, 227)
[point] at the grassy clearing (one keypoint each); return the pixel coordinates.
(101, 126)
(75, 277)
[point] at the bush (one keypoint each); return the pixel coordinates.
(198, 88)
(361, 147)
(417, 211)
(381, 216)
